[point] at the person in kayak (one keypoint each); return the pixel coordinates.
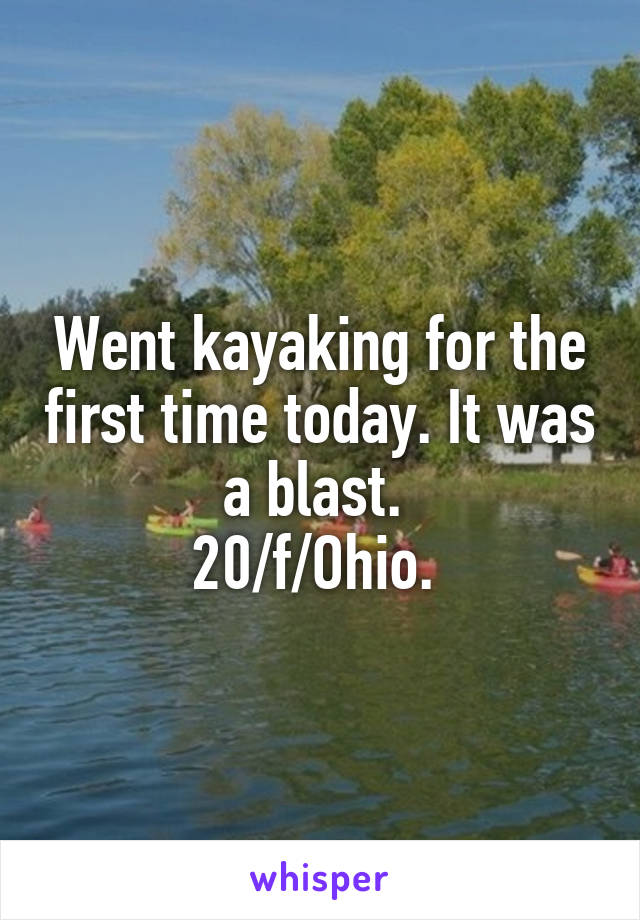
(615, 563)
(360, 526)
(35, 515)
(189, 510)
(175, 519)
(402, 543)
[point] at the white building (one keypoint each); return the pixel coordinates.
(538, 454)
(577, 454)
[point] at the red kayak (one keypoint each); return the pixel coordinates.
(595, 579)
(42, 529)
(425, 568)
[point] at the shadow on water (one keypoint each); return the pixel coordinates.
(500, 704)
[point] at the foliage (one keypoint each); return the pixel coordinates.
(528, 129)
(613, 125)
(404, 108)
(415, 205)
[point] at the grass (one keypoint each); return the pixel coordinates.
(193, 480)
(616, 482)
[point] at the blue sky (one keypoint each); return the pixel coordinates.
(98, 96)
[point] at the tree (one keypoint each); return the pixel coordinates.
(258, 204)
(404, 107)
(613, 122)
(355, 151)
(444, 237)
(586, 269)
(9, 347)
(528, 129)
(245, 186)
(617, 378)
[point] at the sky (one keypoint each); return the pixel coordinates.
(97, 97)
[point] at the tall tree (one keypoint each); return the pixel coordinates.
(9, 347)
(444, 237)
(404, 107)
(528, 129)
(617, 378)
(246, 185)
(613, 120)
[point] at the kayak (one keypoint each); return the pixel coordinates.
(425, 568)
(369, 541)
(43, 528)
(595, 579)
(331, 529)
(166, 530)
(193, 522)
(327, 528)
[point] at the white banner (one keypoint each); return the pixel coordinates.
(211, 880)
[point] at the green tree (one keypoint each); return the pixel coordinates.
(617, 378)
(9, 348)
(404, 107)
(258, 204)
(528, 129)
(444, 236)
(587, 269)
(613, 121)
(245, 186)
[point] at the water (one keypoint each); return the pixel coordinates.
(502, 704)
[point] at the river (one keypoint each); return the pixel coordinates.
(503, 703)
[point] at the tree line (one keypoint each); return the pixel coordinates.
(517, 200)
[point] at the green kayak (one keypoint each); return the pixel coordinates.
(166, 530)
(193, 522)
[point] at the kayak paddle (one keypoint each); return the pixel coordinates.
(416, 528)
(565, 556)
(161, 510)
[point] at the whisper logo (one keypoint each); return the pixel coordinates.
(335, 882)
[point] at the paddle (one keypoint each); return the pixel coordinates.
(161, 510)
(565, 556)
(416, 528)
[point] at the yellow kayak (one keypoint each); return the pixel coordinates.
(589, 576)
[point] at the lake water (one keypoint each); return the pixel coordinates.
(503, 703)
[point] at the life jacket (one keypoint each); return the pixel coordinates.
(619, 566)
(360, 527)
(404, 545)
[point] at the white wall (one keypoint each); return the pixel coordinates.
(505, 454)
(539, 454)
(576, 454)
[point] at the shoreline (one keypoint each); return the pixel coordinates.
(615, 481)
(611, 481)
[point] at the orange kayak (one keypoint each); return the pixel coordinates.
(43, 528)
(327, 528)
(425, 568)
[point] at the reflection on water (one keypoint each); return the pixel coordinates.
(502, 704)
